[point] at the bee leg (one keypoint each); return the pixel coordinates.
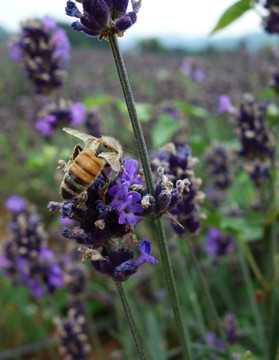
(61, 165)
(104, 189)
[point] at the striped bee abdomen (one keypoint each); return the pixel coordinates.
(81, 174)
(70, 188)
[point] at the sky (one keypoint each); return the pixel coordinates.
(184, 18)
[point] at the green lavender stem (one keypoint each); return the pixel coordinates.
(142, 149)
(131, 321)
(130, 102)
(209, 300)
(255, 309)
(170, 282)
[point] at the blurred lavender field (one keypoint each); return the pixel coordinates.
(199, 99)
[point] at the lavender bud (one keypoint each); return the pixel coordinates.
(126, 21)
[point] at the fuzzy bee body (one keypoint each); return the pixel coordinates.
(86, 164)
(81, 174)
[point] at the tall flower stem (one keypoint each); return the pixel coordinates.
(250, 290)
(131, 321)
(209, 299)
(142, 149)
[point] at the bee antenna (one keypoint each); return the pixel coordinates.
(129, 151)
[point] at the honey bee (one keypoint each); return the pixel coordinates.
(87, 163)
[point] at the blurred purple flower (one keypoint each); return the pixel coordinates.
(77, 113)
(42, 49)
(48, 23)
(225, 104)
(15, 203)
(219, 244)
(199, 76)
(15, 51)
(65, 113)
(213, 340)
(26, 255)
(45, 125)
(190, 68)
(230, 328)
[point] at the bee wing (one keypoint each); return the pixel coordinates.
(81, 135)
(112, 159)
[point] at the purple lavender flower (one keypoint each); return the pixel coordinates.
(258, 171)
(172, 112)
(271, 21)
(145, 248)
(219, 244)
(230, 328)
(100, 224)
(177, 190)
(48, 23)
(131, 172)
(15, 51)
(77, 114)
(213, 340)
(120, 265)
(190, 68)
(129, 208)
(65, 113)
(119, 193)
(15, 203)
(73, 334)
(199, 76)
(26, 256)
(46, 125)
(218, 162)
(101, 17)
(274, 81)
(42, 49)
(225, 105)
(252, 130)
(92, 123)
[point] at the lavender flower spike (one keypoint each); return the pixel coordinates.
(145, 248)
(102, 18)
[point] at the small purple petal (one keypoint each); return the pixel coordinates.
(72, 10)
(45, 125)
(77, 111)
(48, 23)
(126, 21)
(15, 51)
(66, 221)
(225, 104)
(145, 248)
(15, 203)
(4, 262)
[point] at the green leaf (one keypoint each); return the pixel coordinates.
(163, 131)
(232, 14)
(266, 93)
(42, 159)
(192, 110)
(272, 113)
(98, 100)
(144, 110)
(250, 227)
